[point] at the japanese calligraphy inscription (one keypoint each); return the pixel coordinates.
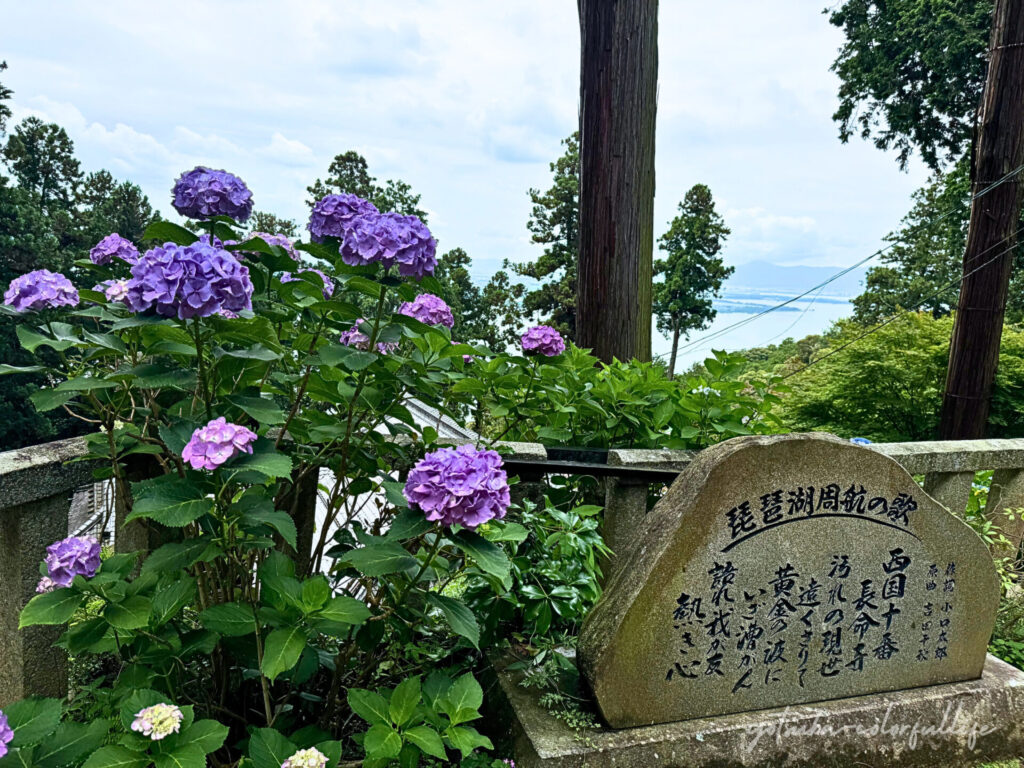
(788, 570)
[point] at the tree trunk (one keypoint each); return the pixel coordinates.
(672, 358)
(618, 100)
(995, 216)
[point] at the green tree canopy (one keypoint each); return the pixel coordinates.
(887, 386)
(554, 223)
(692, 273)
(262, 221)
(5, 95)
(41, 157)
(349, 172)
(911, 73)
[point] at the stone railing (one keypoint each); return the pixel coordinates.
(36, 486)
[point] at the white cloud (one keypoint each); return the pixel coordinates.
(287, 151)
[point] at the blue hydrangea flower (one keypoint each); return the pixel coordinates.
(203, 193)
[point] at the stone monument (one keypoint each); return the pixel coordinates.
(786, 570)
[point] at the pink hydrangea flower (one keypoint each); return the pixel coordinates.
(429, 309)
(306, 758)
(217, 442)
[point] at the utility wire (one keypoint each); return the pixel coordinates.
(905, 312)
(740, 323)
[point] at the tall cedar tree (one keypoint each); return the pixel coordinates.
(911, 74)
(349, 172)
(554, 223)
(692, 272)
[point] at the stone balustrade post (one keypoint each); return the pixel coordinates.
(951, 489)
(36, 486)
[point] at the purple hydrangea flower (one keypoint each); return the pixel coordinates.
(288, 277)
(6, 734)
(217, 442)
(114, 290)
(158, 721)
(306, 758)
(186, 281)
(429, 309)
(114, 246)
(46, 584)
(40, 289)
(543, 340)
(281, 240)
(354, 337)
(390, 238)
(72, 557)
(463, 486)
(334, 215)
(203, 193)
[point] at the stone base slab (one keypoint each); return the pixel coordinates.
(940, 726)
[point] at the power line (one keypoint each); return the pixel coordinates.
(740, 323)
(906, 312)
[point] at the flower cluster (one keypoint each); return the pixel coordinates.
(70, 557)
(217, 442)
(288, 277)
(114, 290)
(334, 215)
(388, 239)
(158, 721)
(543, 340)
(429, 309)
(463, 486)
(196, 280)
(46, 584)
(6, 734)
(203, 193)
(40, 289)
(354, 337)
(114, 247)
(306, 758)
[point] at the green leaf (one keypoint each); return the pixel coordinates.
(428, 740)
(280, 521)
(408, 524)
(344, 610)
(380, 559)
(70, 743)
(404, 700)
(50, 608)
(269, 748)
(315, 592)
(47, 399)
(158, 376)
(168, 232)
(169, 600)
(458, 616)
(31, 340)
(32, 719)
(133, 613)
(464, 695)
(489, 556)
(370, 706)
(229, 619)
(382, 741)
(358, 360)
(261, 409)
(207, 735)
(467, 739)
(282, 651)
(507, 532)
(115, 756)
(266, 462)
(255, 352)
(174, 503)
(174, 556)
(85, 384)
(189, 756)
(8, 369)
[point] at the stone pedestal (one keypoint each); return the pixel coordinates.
(35, 497)
(954, 725)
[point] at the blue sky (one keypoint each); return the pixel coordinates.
(465, 100)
